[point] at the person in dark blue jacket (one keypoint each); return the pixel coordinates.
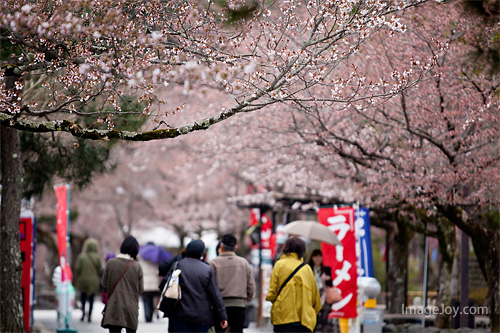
(201, 303)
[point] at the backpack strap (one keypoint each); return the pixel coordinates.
(290, 277)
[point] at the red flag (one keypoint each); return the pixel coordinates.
(342, 259)
(62, 230)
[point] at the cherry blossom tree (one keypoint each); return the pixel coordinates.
(88, 50)
(84, 52)
(437, 152)
(433, 147)
(162, 188)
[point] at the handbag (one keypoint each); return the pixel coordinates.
(113, 289)
(332, 295)
(171, 293)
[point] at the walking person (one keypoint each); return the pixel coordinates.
(201, 303)
(87, 275)
(236, 283)
(123, 280)
(218, 248)
(151, 292)
(323, 276)
(293, 291)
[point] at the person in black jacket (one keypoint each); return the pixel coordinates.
(201, 303)
(323, 276)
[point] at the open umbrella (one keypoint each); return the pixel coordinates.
(312, 230)
(154, 253)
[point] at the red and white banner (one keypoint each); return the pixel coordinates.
(266, 229)
(62, 195)
(342, 259)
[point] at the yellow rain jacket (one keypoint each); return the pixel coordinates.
(299, 301)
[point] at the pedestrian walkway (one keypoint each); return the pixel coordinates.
(45, 321)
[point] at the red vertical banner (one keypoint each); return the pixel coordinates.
(266, 229)
(342, 259)
(26, 224)
(62, 195)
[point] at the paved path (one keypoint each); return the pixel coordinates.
(45, 321)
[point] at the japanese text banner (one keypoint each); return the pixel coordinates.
(364, 243)
(342, 259)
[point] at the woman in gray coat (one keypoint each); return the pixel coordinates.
(122, 309)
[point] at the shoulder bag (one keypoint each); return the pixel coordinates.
(171, 294)
(113, 289)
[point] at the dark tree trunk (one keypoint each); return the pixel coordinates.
(11, 309)
(179, 230)
(11, 312)
(46, 237)
(486, 246)
(400, 237)
(447, 245)
(486, 242)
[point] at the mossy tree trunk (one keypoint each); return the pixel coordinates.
(447, 246)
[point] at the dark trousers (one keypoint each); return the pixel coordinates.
(235, 319)
(118, 329)
(148, 298)
(178, 325)
(292, 327)
(322, 320)
(83, 299)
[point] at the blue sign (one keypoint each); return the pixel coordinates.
(363, 243)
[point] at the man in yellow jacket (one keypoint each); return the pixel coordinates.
(296, 300)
